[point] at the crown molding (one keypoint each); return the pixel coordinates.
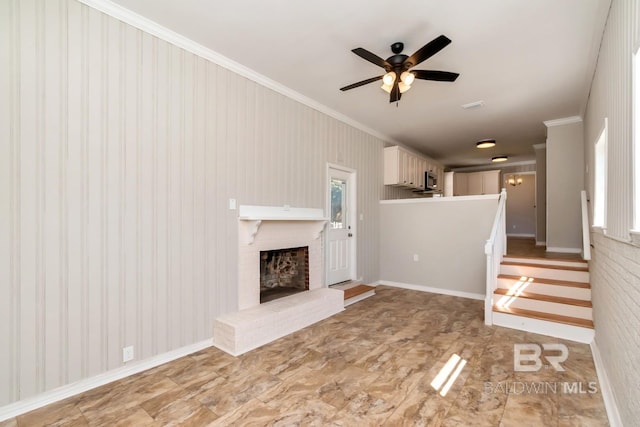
(151, 27)
(563, 121)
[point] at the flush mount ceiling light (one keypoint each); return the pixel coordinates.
(498, 159)
(486, 143)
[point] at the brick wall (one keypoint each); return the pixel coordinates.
(615, 281)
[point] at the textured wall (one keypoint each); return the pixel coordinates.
(118, 154)
(615, 265)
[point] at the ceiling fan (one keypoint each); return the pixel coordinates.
(399, 65)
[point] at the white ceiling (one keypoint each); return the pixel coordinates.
(529, 61)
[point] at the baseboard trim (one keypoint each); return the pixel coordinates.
(532, 236)
(605, 387)
(564, 250)
(421, 288)
(23, 406)
(541, 243)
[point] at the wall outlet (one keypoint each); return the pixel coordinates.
(232, 204)
(416, 258)
(127, 353)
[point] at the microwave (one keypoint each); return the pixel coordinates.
(430, 181)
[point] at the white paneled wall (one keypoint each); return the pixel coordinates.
(118, 154)
(614, 265)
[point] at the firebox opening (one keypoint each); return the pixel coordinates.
(283, 272)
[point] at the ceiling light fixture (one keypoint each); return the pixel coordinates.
(498, 159)
(514, 180)
(407, 78)
(387, 81)
(486, 143)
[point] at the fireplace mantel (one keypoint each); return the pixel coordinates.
(253, 216)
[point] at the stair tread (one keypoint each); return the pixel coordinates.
(577, 261)
(357, 290)
(550, 266)
(548, 281)
(574, 321)
(547, 298)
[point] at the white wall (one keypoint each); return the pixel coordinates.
(118, 155)
(565, 178)
(615, 263)
(448, 235)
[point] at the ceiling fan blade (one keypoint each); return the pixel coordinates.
(371, 57)
(395, 94)
(362, 83)
(439, 76)
(428, 50)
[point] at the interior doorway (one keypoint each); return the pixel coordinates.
(521, 204)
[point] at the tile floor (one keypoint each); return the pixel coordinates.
(371, 365)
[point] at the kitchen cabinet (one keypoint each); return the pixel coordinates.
(476, 183)
(460, 181)
(404, 169)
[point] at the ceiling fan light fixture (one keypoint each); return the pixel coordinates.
(403, 87)
(498, 159)
(387, 88)
(407, 78)
(486, 143)
(389, 78)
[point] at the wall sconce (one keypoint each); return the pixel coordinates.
(514, 180)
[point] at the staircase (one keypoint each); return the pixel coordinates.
(545, 296)
(354, 291)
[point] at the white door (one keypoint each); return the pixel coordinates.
(341, 235)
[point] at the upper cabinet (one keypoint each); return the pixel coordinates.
(405, 169)
(476, 183)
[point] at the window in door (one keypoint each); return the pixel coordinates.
(338, 204)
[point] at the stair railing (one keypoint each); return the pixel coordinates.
(495, 248)
(586, 238)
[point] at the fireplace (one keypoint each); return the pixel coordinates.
(283, 272)
(264, 267)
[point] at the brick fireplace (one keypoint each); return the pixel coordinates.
(287, 242)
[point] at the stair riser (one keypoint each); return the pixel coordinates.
(545, 273)
(547, 289)
(542, 261)
(546, 307)
(569, 332)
